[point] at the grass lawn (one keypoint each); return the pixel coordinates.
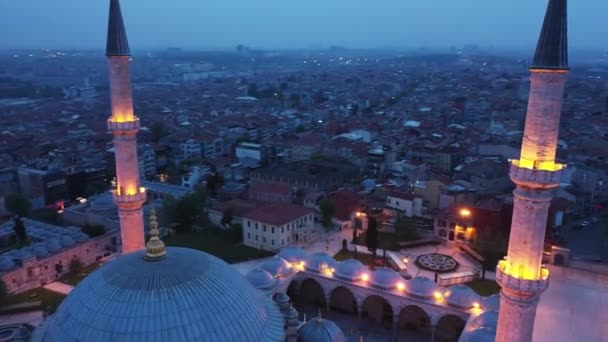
(75, 278)
(386, 240)
(484, 287)
(49, 299)
(216, 243)
(366, 259)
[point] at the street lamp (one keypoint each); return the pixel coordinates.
(465, 212)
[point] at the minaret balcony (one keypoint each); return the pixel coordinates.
(519, 284)
(535, 177)
(126, 199)
(124, 126)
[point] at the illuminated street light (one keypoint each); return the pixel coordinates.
(465, 212)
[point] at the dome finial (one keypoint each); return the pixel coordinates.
(155, 248)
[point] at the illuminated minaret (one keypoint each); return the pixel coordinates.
(521, 275)
(123, 123)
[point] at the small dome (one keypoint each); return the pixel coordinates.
(6, 263)
(80, 237)
(385, 278)
(261, 279)
(491, 303)
(292, 254)
(16, 332)
(350, 269)
(320, 261)
(186, 296)
(53, 245)
(40, 250)
(281, 297)
(67, 241)
(292, 313)
(461, 296)
(488, 319)
(421, 287)
(320, 330)
(19, 253)
(277, 267)
(479, 335)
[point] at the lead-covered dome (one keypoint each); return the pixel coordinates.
(320, 330)
(491, 303)
(186, 296)
(350, 269)
(320, 261)
(462, 296)
(293, 254)
(261, 279)
(421, 287)
(488, 319)
(277, 267)
(479, 335)
(385, 278)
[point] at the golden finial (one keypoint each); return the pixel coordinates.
(155, 248)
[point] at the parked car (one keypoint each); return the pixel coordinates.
(585, 223)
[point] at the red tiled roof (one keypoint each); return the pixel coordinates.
(279, 213)
(347, 202)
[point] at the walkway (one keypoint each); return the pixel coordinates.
(59, 287)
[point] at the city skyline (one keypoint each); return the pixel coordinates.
(275, 25)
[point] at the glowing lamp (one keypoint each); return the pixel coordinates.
(438, 295)
(465, 212)
(476, 305)
(365, 277)
(303, 264)
(400, 286)
(405, 260)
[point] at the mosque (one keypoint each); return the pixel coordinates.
(158, 293)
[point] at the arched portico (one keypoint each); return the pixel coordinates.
(342, 299)
(449, 328)
(311, 292)
(414, 318)
(377, 309)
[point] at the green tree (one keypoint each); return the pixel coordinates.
(328, 210)
(236, 232)
(75, 265)
(20, 230)
(371, 235)
(18, 204)
(227, 217)
(406, 229)
(158, 130)
(214, 183)
(185, 212)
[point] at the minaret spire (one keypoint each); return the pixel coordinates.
(552, 47)
(117, 43)
(521, 275)
(124, 124)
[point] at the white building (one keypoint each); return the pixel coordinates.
(249, 150)
(277, 225)
(406, 204)
(191, 149)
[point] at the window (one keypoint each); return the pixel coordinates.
(272, 242)
(256, 238)
(264, 239)
(397, 202)
(282, 242)
(264, 228)
(389, 201)
(282, 230)
(443, 233)
(272, 230)
(249, 235)
(248, 223)
(256, 226)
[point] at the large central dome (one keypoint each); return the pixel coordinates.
(187, 296)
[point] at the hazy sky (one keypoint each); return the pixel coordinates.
(210, 24)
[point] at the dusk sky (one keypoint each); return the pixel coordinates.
(213, 24)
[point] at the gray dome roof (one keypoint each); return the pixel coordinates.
(320, 330)
(488, 319)
(479, 335)
(40, 250)
(461, 296)
(281, 297)
(19, 253)
(421, 287)
(277, 267)
(292, 254)
(6, 263)
(187, 296)
(67, 241)
(491, 303)
(16, 332)
(385, 278)
(318, 261)
(261, 279)
(53, 245)
(350, 269)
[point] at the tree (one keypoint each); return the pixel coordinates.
(158, 131)
(236, 232)
(3, 292)
(185, 211)
(227, 218)
(75, 265)
(371, 235)
(328, 209)
(214, 183)
(20, 230)
(406, 229)
(18, 204)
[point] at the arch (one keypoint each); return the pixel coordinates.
(559, 259)
(378, 310)
(443, 233)
(342, 299)
(293, 289)
(414, 319)
(311, 292)
(451, 237)
(449, 328)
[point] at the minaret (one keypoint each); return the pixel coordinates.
(521, 274)
(129, 195)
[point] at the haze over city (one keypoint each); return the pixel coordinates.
(277, 24)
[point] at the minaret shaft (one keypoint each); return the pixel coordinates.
(129, 195)
(521, 274)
